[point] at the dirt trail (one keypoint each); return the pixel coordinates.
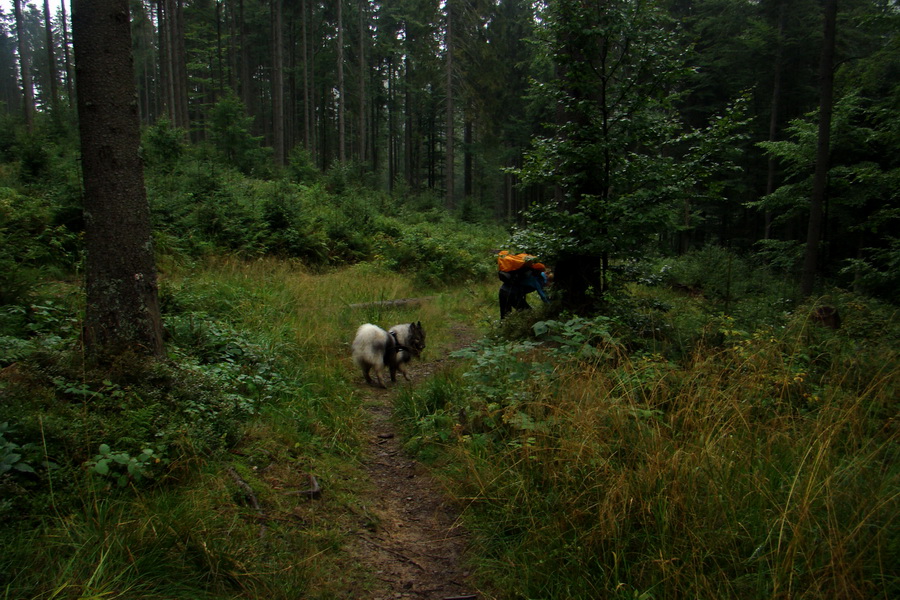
(415, 546)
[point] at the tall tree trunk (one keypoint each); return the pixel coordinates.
(24, 67)
(374, 121)
(167, 77)
(409, 172)
(468, 162)
(122, 306)
(232, 46)
(68, 61)
(51, 58)
(290, 103)
(246, 91)
(316, 114)
(448, 150)
(307, 116)
(363, 35)
(220, 66)
(342, 96)
(278, 82)
(180, 66)
(820, 178)
(392, 171)
(774, 114)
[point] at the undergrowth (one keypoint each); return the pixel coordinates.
(592, 460)
(124, 482)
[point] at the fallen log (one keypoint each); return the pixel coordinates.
(390, 303)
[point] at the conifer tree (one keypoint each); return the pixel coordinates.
(616, 65)
(122, 307)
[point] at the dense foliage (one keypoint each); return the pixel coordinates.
(626, 127)
(667, 449)
(696, 429)
(72, 430)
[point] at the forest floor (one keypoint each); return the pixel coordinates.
(415, 545)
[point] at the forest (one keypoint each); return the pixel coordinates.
(200, 205)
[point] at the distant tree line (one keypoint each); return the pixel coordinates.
(679, 123)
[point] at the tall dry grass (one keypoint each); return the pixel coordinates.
(765, 467)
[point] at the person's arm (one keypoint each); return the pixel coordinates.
(536, 283)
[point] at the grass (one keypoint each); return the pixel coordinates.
(191, 533)
(662, 451)
(764, 466)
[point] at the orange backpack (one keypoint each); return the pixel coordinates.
(508, 263)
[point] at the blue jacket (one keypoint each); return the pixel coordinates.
(534, 282)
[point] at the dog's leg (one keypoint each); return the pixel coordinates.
(380, 380)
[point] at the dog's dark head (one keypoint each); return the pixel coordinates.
(416, 340)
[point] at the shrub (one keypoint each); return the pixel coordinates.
(714, 271)
(301, 167)
(31, 248)
(438, 254)
(163, 146)
(229, 131)
(748, 469)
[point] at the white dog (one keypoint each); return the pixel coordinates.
(374, 349)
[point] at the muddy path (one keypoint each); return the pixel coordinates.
(414, 545)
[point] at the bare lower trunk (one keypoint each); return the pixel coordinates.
(122, 306)
(817, 201)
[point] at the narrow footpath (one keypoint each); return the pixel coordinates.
(414, 547)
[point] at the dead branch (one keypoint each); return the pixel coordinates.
(313, 493)
(248, 491)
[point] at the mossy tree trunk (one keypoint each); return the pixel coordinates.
(122, 313)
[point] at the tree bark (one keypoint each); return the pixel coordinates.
(448, 150)
(122, 309)
(773, 114)
(392, 171)
(246, 91)
(342, 96)
(179, 67)
(407, 114)
(820, 178)
(307, 117)
(165, 10)
(51, 58)
(24, 67)
(468, 159)
(232, 47)
(220, 66)
(363, 33)
(278, 82)
(68, 62)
